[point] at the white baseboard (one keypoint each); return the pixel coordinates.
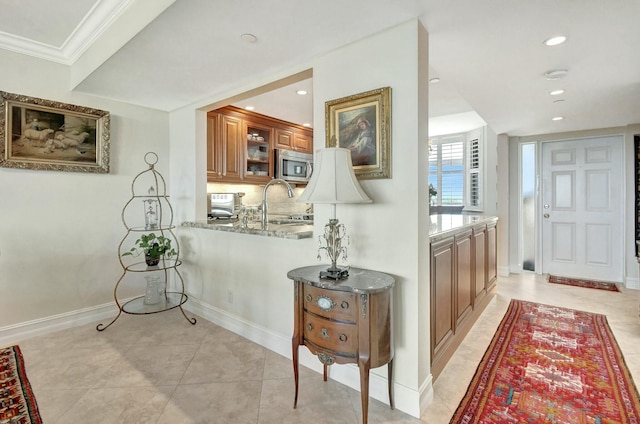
(406, 400)
(632, 283)
(503, 271)
(12, 334)
(248, 330)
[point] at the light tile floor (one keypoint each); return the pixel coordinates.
(160, 369)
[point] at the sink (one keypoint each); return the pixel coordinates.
(289, 221)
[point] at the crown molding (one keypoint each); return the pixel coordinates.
(33, 48)
(103, 14)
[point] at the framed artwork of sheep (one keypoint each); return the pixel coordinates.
(49, 135)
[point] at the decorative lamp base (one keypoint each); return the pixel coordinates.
(335, 274)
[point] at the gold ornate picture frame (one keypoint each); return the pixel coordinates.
(362, 124)
(49, 135)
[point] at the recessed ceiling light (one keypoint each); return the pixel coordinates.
(557, 118)
(556, 92)
(556, 74)
(434, 80)
(249, 107)
(301, 92)
(554, 41)
(248, 38)
(306, 124)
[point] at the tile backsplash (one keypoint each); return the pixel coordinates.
(279, 203)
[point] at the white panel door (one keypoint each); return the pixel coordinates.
(582, 209)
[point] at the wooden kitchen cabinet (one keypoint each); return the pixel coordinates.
(480, 262)
(284, 139)
(293, 137)
(442, 298)
(463, 277)
(225, 141)
(240, 144)
(257, 163)
(303, 141)
(492, 252)
(344, 321)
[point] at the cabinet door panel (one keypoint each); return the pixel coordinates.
(464, 280)
(284, 139)
(258, 163)
(303, 142)
(213, 133)
(442, 323)
(480, 264)
(492, 251)
(231, 139)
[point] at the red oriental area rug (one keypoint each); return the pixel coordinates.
(548, 364)
(578, 282)
(17, 403)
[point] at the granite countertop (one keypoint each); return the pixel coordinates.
(444, 225)
(282, 229)
(441, 226)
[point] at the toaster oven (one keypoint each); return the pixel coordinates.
(224, 205)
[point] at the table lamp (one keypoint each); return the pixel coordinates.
(333, 181)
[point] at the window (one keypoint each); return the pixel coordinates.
(455, 170)
(446, 170)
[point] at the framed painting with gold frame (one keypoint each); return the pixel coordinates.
(49, 135)
(362, 124)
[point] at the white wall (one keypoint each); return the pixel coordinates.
(60, 231)
(390, 235)
(456, 123)
(503, 183)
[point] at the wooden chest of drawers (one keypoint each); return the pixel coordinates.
(345, 321)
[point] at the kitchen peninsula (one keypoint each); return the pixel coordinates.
(463, 279)
(280, 229)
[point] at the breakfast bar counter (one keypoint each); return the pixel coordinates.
(281, 229)
(444, 225)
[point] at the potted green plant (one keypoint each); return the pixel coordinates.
(432, 194)
(154, 247)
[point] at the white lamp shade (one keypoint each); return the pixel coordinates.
(333, 180)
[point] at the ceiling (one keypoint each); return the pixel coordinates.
(488, 54)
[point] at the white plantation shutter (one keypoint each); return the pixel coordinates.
(474, 172)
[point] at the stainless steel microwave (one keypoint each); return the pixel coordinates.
(292, 166)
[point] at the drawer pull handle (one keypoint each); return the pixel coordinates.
(343, 337)
(325, 359)
(309, 326)
(324, 333)
(308, 298)
(344, 304)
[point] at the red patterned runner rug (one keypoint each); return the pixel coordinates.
(17, 402)
(578, 282)
(548, 364)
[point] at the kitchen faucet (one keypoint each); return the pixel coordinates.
(265, 216)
